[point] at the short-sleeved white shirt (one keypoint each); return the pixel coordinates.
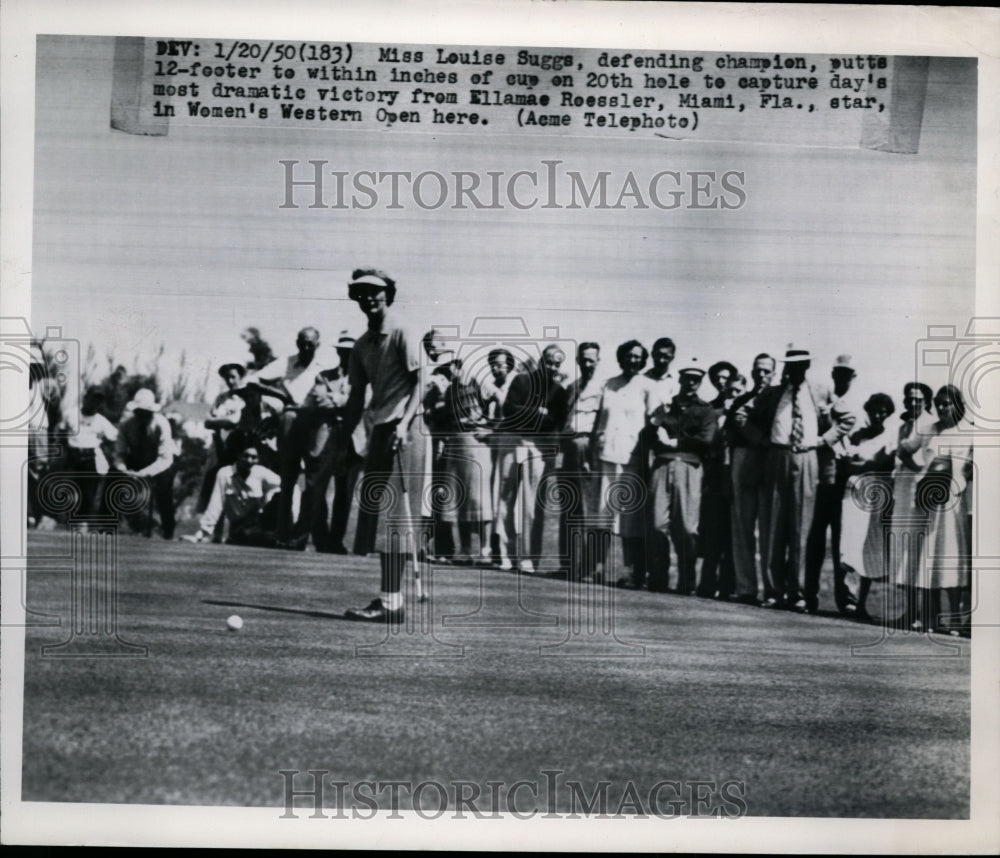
(386, 359)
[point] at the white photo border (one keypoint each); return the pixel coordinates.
(733, 27)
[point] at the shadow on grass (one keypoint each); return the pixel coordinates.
(323, 615)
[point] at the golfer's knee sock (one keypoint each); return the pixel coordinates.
(392, 601)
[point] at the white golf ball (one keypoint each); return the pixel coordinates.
(235, 623)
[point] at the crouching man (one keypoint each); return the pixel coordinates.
(245, 495)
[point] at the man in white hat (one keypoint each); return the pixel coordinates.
(386, 358)
(791, 420)
(685, 430)
(145, 448)
(845, 409)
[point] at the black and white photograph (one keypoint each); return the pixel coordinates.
(565, 426)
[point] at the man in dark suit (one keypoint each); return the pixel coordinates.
(684, 431)
(747, 477)
(717, 578)
(533, 414)
(793, 420)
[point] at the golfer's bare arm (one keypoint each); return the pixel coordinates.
(412, 404)
(354, 407)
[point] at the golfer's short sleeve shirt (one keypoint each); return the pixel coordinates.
(386, 360)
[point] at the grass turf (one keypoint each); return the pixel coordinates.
(690, 690)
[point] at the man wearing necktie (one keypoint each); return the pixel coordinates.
(792, 420)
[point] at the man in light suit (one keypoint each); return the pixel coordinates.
(793, 421)
(846, 407)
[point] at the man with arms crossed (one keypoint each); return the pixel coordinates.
(684, 432)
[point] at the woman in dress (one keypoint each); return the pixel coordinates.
(909, 523)
(868, 498)
(467, 467)
(946, 494)
(617, 451)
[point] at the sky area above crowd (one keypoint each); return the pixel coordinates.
(183, 240)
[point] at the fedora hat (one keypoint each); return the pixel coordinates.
(794, 355)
